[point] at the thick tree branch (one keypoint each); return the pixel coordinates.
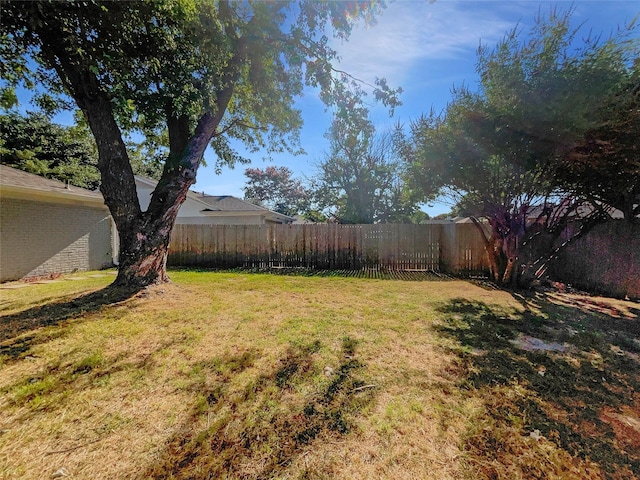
(118, 185)
(180, 172)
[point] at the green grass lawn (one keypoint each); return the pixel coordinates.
(257, 376)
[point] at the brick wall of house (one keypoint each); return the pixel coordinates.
(38, 238)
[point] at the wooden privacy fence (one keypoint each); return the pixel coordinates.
(606, 260)
(450, 248)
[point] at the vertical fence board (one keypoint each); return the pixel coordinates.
(451, 248)
(606, 260)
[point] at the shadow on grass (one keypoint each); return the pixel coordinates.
(16, 337)
(565, 372)
(261, 429)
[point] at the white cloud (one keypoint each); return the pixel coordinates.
(412, 33)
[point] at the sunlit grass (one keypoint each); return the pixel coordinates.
(231, 375)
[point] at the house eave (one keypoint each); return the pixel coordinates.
(63, 196)
(247, 213)
(235, 213)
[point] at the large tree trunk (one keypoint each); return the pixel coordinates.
(144, 236)
(144, 240)
(143, 259)
(143, 250)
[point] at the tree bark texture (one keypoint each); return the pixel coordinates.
(503, 246)
(144, 236)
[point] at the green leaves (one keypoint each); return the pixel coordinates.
(534, 143)
(33, 144)
(172, 58)
(8, 98)
(204, 71)
(361, 179)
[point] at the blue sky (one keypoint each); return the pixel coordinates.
(426, 48)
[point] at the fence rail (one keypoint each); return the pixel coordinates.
(450, 248)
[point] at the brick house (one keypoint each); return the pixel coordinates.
(49, 227)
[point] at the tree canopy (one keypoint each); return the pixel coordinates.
(361, 179)
(506, 151)
(572, 104)
(604, 165)
(33, 144)
(204, 71)
(276, 189)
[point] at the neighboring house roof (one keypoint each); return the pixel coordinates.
(582, 211)
(223, 205)
(462, 220)
(229, 203)
(534, 213)
(18, 184)
(301, 220)
(151, 184)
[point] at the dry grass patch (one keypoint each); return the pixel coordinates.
(549, 404)
(227, 375)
